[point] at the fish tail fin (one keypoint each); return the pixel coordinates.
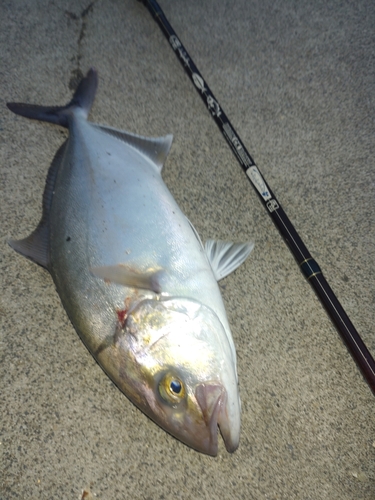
(83, 99)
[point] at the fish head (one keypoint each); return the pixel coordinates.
(184, 372)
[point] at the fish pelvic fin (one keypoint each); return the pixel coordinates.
(225, 256)
(83, 99)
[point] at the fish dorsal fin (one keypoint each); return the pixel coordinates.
(36, 246)
(125, 275)
(225, 256)
(155, 148)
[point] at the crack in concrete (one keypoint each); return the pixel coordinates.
(77, 73)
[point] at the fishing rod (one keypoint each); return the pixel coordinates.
(308, 265)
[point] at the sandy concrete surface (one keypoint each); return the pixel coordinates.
(297, 80)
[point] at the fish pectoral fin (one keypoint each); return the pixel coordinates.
(155, 148)
(124, 275)
(225, 256)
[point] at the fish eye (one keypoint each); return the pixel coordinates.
(176, 386)
(171, 389)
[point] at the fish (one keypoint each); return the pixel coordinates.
(138, 284)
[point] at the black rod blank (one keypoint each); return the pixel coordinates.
(308, 265)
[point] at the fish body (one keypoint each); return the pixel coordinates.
(136, 281)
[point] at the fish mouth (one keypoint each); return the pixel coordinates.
(213, 402)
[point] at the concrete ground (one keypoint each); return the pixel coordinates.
(297, 80)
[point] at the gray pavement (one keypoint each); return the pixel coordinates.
(297, 80)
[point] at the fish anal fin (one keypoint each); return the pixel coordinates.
(225, 256)
(36, 246)
(155, 148)
(125, 275)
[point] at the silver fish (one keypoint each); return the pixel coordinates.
(137, 283)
